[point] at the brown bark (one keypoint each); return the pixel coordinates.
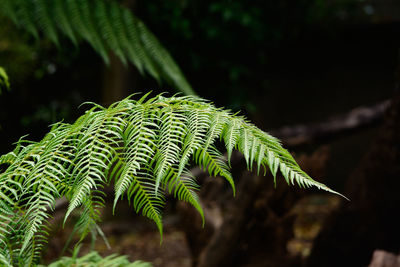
(119, 79)
(334, 127)
(369, 221)
(115, 85)
(227, 235)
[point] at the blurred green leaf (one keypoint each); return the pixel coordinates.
(4, 83)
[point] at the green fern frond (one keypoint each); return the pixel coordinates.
(172, 129)
(145, 199)
(46, 23)
(212, 161)
(231, 135)
(144, 147)
(94, 144)
(197, 125)
(63, 20)
(23, 14)
(106, 26)
(107, 30)
(94, 259)
(184, 187)
(138, 141)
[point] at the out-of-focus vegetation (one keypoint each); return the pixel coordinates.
(223, 46)
(106, 26)
(4, 83)
(17, 56)
(230, 46)
(93, 259)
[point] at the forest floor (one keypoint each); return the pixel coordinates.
(137, 237)
(132, 235)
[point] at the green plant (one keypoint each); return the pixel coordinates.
(143, 147)
(93, 259)
(105, 25)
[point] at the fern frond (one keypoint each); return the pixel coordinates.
(23, 14)
(92, 27)
(218, 120)
(184, 187)
(46, 23)
(79, 16)
(169, 70)
(106, 26)
(212, 161)
(131, 42)
(139, 138)
(107, 30)
(63, 20)
(4, 260)
(197, 125)
(42, 181)
(94, 259)
(89, 215)
(6, 214)
(95, 152)
(145, 198)
(231, 135)
(143, 147)
(172, 130)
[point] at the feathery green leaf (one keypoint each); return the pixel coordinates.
(143, 147)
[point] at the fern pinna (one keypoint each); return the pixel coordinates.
(106, 26)
(141, 147)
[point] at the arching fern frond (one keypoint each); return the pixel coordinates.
(106, 26)
(143, 147)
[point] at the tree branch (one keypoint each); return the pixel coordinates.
(358, 118)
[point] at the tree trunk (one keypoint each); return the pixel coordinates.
(119, 80)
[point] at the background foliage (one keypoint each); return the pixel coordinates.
(106, 26)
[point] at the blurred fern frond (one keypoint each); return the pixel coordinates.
(4, 83)
(106, 26)
(143, 148)
(93, 259)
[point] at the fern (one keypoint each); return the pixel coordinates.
(4, 83)
(143, 147)
(105, 25)
(94, 259)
